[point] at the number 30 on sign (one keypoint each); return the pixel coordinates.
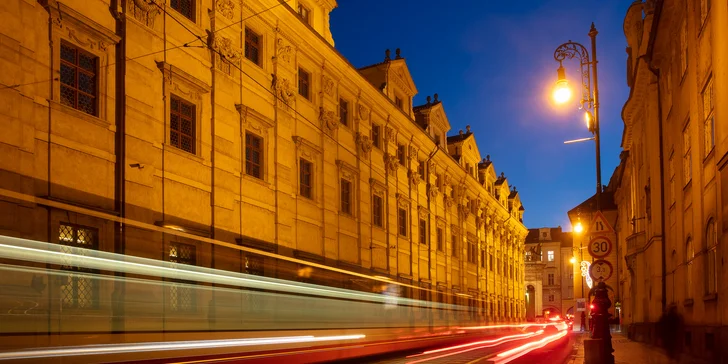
(600, 247)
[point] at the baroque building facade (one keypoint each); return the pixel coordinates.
(672, 193)
(240, 123)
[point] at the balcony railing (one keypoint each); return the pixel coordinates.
(635, 242)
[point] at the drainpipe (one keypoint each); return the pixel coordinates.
(120, 163)
(657, 74)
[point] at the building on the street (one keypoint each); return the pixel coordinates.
(240, 123)
(549, 276)
(672, 195)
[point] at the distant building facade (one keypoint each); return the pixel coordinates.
(244, 125)
(549, 277)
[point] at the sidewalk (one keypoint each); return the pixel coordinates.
(626, 351)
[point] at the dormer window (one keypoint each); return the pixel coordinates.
(304, 13)
(398, 102)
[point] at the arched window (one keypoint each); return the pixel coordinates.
(711, 244)
(689, 255)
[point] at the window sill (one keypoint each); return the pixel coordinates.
(688, 302)
(710, 297)
(55, 105)
(709, 155)
(257, 180)
(170, 148)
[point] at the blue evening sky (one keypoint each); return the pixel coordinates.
(491, 63)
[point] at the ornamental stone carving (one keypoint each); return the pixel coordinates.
(448, 201)
(414, 178)
(327, 85)
(225, 7)
(226, 49)
(365, 143)
(144, 11)
(391, 163)
(464, 210)
(447, 180)
(283, 50)
(328, 120)
(390, 134)
(363, 111)
(283, 90)
(432, 190)
(412, 152)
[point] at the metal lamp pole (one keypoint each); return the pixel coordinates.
(590, 104)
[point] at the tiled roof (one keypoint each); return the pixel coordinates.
(513, 194)
(426, 106)
(484, 165)
(606, 203)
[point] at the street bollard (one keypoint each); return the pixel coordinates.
(601, 332)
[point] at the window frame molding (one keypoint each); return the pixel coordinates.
(258, 124)
(311, 152)
(350, 173)
(189, 88)
(74, 28)
(379, 189)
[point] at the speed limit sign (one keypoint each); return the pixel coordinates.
(600, 247)
(601, 270)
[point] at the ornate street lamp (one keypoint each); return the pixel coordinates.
(590, 105)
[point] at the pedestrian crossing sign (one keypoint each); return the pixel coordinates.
(600, 224)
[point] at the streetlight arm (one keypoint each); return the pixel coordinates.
(572, 50)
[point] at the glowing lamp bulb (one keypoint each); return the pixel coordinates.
(572, 260)
(562, 92)
(578, 228)
(591, 307)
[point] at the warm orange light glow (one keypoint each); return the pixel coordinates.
(572, 260)
(588, 119)
(578, 228)
(562, 92)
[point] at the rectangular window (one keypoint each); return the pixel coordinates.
(343, 112)
(182, 124)
(378, 210)
(377, 136)
(305, 178)
(346, 196)
(398, 102)
(181, 294)
(401, 154)
(78, 290)
(472, 252)
(304, 13)
(253, 155)
(78, 79)
(304, 83)
(421, 169)
(440, 242)
(551, 255)
(482, 258)
(402, 220)
(454, 242)
(184, 7)
(551, 279)
(490, 262)
(709, 135)
(423, 232)
(683, 48)
(687, 155)
(473, 207)
(551, 298)
(252, 46)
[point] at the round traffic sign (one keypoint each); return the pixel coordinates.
(601, 270)
(600, 247)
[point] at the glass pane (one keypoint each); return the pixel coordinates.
(186, 109)
(187, 126)
(86, 104)
(68, 96)
(68, 75)
(175, 104)
(87, 62)
(186, 143)
(87, 83)
(174, 122)
(174, 139)
(68, 53)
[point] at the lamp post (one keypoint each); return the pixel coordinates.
(590, 105)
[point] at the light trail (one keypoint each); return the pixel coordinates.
(498, 340)
(513, 354)
(463, 351)
(168, 345)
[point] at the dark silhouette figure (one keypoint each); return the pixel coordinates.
(670, 331)
(583, 321)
